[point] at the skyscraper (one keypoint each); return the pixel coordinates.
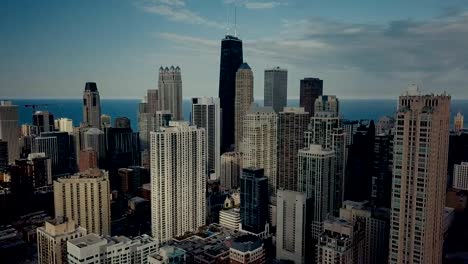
(3, 153)
(231, 169)
(382, 171)
(95, 139)
(325, 129)
(170, 91)
(231, 59)
(148, 122)
(43, 121)
(64, 125)
(52, 240)
(419, 178)
(259, 144)
(276, 88)
(49, 146)
(292, 230)
(9, 128)
(292, 123)
(206, 113)
(64, 151)
(460, 176)
(316, 171)
(458, 122)
(91, 106)
(310, 90)
(243, 101)
(152, 101)
(254, 200)
(178, 180)
(85, 199)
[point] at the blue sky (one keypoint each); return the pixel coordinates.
(362, 49)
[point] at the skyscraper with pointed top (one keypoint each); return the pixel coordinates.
(231, 59)
(170, 91)
(91, 106)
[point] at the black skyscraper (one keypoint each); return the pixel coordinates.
(231, 59)
(254, 200)
(311, 89)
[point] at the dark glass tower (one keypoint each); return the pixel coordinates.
(231, 59)
(254, 200)
(310, 90)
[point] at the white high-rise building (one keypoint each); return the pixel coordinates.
(9, 128)
(148, 122)
(259, 144)
(420, 157)
(85, 199)
(316, 170)
(52, 240)
(64, 125)
(230, 218)
(375, 223)
(206, 113)
(178, 180)
(291, 226)
(92, 249)
(276, 88)
(460, 176)
(243, 100)
(170, 91)
(325, 129)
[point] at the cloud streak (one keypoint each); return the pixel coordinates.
(177, 10)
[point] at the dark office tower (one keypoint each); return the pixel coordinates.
(43, 121)
(382, 171)
(276, 88)
(132, 178)
(65, 155)
(152, 101)
(458, 152)
(292, 123)
(122, 122)
(3, 153)
(122, 150)
(231, 59)
(254, 200)
(311, 89)
(358, 182)
(91, 106)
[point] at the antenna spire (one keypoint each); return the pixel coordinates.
(235, 19)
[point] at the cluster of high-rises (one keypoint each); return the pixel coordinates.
(237, 182)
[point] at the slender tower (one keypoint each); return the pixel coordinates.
(231, 59)
(170, 91)
(276, 88)
(91, 106)
(244, 99)
(419, 178)
(9, 128)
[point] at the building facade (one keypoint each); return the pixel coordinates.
(91, 106)
(52, 240)
(259, 144)
(85, 199)
(243, 100)
(276, 88)
(206, 113)
(419, 178)
(9, 128)
(458, 122)
(460, 176)
(292, 123)
(254, 200)
(170, 91)
(292, 232)
(178, 180)
(310, 90)
(231, 170)
(230, 59)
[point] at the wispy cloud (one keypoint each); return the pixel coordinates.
(254, 4)
(433, 51)
(176, 10)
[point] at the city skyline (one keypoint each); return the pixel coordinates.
(118, 55)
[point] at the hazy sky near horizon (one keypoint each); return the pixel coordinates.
(361, 49)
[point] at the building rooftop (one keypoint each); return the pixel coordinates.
(87, 240)
(91, 86)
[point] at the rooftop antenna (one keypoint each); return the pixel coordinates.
(227, 24)
(235, 19)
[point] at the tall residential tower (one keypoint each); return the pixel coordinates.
(170, 91)
(91, 106)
